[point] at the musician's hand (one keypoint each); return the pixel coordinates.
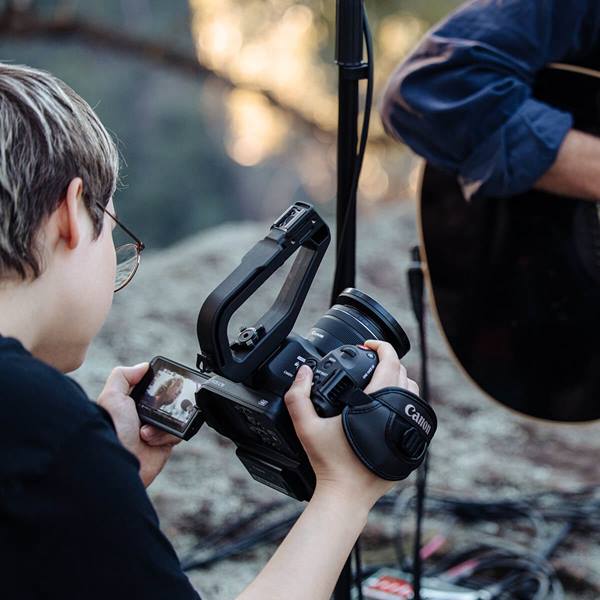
(576, 171)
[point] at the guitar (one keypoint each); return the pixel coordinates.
(516, 281)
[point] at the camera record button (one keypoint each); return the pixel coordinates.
(311, 362)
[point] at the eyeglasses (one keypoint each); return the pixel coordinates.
(128, 255)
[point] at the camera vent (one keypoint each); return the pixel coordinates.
(343, 385)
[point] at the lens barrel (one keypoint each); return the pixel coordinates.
(354, 318)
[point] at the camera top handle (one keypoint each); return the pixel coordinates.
(298, 228)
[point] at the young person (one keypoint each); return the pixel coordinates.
(76, 521)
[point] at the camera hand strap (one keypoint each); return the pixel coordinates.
(389, 430)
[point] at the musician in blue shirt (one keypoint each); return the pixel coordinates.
(463, 98)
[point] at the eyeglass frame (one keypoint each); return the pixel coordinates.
(139, 245)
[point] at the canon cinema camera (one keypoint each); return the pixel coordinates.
(239, 386)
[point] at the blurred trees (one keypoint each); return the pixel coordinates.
(240, 133)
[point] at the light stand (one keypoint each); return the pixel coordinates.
(350, 20)
(416, 284)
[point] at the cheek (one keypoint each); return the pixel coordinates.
(107, 265)
(111, 259)
(95, 292)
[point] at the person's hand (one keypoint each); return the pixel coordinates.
(336, 467)
(390, 372)
(151, 446)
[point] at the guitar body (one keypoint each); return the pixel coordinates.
(516, 281)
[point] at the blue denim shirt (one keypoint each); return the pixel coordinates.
(463, 98)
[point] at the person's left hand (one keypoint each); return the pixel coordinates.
(151, 446)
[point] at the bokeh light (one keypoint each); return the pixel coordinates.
(285, 48)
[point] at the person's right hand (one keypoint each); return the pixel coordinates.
(336, 467)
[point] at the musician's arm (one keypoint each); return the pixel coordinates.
(576, 171)
(463, 99)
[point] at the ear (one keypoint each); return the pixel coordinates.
(70, 213)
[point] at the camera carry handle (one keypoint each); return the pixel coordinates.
(299, 228)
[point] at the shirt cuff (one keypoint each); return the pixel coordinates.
(515, 156)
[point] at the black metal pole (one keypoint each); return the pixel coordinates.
(349, 58)
(416, 281)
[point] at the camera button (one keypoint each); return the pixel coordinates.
(311, 362)
(351, 352)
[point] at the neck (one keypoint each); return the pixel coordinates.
(26, 313)
(43, 321)
(17, 313)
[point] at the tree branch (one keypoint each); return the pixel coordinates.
(24, 24)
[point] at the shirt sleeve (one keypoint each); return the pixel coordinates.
(463, 99)
(101, 536)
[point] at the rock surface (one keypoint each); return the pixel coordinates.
(480, 449)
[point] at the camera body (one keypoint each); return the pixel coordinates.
(243, 400)
(243, 381)
(258, 422)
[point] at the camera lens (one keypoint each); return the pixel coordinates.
(354, 318)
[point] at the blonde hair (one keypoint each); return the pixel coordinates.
(48, 136)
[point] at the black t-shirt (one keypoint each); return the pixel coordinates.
(75, 520)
